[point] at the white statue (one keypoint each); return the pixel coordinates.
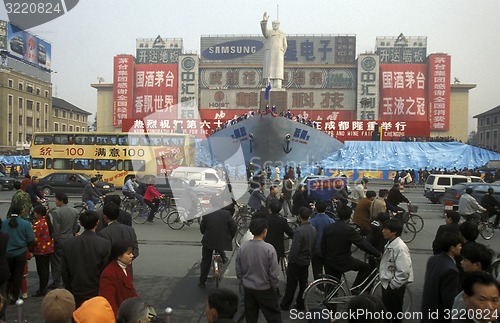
(274, 56)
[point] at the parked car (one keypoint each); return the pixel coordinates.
(436, 184)
(453, 194)
(6, 182)
(70, 183)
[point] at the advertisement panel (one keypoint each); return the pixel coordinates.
(28, 48)
(122, 88)
(155, 89)
(298, 99)
(294, 78)
(312, 49)
(402, 49)
(188, 86)
(403, 92)
(439, 91)
(368, 86)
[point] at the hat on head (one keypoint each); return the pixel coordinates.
(58, 306)
(95, 310)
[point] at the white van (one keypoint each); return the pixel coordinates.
(204, 176)
(436, 184)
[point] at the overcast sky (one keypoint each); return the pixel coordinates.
(85, 39)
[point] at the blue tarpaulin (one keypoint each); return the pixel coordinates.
(388, 155)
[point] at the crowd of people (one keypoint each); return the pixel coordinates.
(90, 255)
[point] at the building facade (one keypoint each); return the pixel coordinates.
(26, 101)
(488, 128)
(399, 86)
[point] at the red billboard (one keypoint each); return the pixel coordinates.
(439, 91)
(155, 89)
(403, 92)
(342, 129)
(122, 88)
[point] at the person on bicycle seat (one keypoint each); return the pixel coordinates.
(130, 190)
(395, 197)
(91, 194)
(218, 229)
(490, 203)
(152, 199)
(468, 207)
(336, 243)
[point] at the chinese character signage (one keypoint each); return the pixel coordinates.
(28, 48)
(402, 49)
(122, 88)
(188, 86)
(328, 49)
(368, 86)
(157, 55)
(403, 92)
(343, 128)
(439, 91)
(328, 99)
(155, 89)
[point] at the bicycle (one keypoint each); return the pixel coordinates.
(242, 216)
(495, 269)
(409, 230)
(81, 207)
(486, 228)
(414, 218)
(329, 293)
(217, 268)
(140, 213)
(175, 219)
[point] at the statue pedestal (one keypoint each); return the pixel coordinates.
(277, 97)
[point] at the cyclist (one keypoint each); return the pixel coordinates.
(91, 195)
(336, 243)
(395, 197)
(189, 201)
(490, 203)
(468, 207)
(218, 229)
(152, 199)
(130, 190)
(358, 192)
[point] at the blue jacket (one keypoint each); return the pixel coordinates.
(319, 222)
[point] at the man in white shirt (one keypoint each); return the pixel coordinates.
(396, 269)
(468, 207)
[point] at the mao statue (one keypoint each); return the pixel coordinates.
(274, 56)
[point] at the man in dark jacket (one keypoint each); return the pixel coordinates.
(218, 229)
(278, 227)
(490, 203)
(34, 192)
(336, 243)
(451, 219)
(395, 197)
(442, 281)
(301, 252)
(84, 259)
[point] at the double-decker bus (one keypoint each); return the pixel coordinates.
(111, 156)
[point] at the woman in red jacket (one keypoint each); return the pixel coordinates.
(116, 279)
(152, 199)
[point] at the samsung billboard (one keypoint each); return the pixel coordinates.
(28, 48)
(303, 49)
